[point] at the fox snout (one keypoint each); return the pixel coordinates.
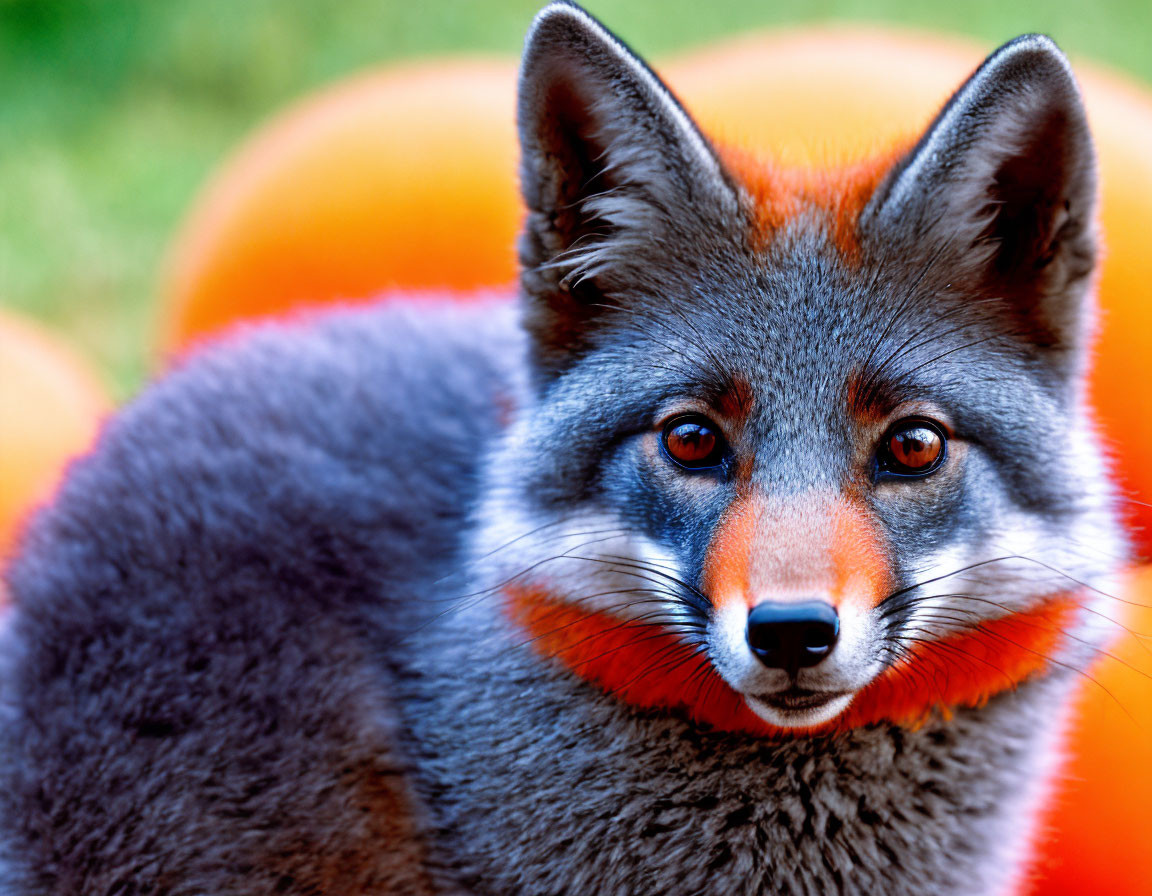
(794, 583)
(797, 561)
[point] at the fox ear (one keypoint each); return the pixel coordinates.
(612, 169)
(1003, 187)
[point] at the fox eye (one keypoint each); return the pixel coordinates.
(912, 447)
(694, 441)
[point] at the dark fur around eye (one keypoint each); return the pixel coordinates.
(694, 442)
(911, 449)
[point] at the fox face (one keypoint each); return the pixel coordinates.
(801, 450)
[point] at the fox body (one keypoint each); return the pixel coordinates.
(757, 550)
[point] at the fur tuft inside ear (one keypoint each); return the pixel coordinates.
(611, 165)
(1003, 184)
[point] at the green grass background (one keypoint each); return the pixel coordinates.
(112, 113)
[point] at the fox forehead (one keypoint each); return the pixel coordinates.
(802, 357)
(836, 195)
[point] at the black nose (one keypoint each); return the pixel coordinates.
(792, 636)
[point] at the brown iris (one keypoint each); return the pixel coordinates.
(913, 448)
(694, 442)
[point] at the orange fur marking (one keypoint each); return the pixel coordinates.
(816, 544)
(838, 195)
(726, 565)
(644, 665)
(858, 556)
(861, 405)
(650, 667)
(965, 669)
(736, 403)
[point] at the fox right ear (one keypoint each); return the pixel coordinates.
(613, 172)
(1005, 181)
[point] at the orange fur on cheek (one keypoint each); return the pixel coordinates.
(653, 668)
(644, 665)
(965, 669)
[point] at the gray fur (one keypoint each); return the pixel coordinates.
(259, 644)
(201, 701)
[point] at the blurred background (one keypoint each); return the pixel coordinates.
(113, 113)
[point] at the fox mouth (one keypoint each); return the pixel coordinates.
(797, 707)
(794, 699)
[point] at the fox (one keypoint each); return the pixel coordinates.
(757, 545)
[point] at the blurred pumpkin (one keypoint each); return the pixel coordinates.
(405, 178)
(51, 404)
(1096, 836)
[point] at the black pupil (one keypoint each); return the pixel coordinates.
(691, 442)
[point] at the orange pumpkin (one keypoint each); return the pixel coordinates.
(404, 178)
(50, 406)
(1097, 834)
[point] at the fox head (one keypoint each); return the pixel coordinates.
(801, 449)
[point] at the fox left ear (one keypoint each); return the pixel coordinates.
(1003, 186)
(620, 184)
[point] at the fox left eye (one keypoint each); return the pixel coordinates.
(694, 441)
(912, 448)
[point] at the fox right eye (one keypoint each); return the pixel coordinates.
(694, 442)
(912, 448)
